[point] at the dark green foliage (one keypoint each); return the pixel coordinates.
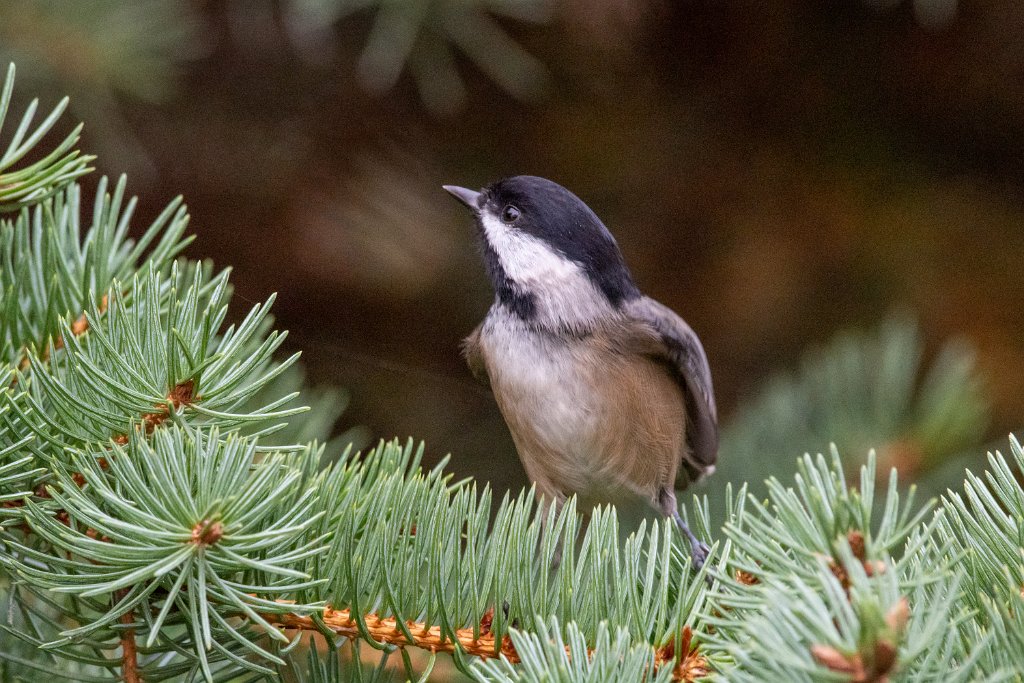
(426, 37)
(863, 391)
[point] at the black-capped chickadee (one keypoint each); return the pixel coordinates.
(605, 391)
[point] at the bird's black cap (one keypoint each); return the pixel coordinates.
(555, 215)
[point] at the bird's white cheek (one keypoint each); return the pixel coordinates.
(525, 258)
(563, 293)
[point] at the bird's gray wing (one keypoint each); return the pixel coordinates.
(474, 355)
(671, 341)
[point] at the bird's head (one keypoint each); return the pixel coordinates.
(551, 259)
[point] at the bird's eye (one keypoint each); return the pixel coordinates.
(509, 214)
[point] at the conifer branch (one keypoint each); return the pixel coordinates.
(864, 391)
(33, 183)
(472, 642)
(479, 643)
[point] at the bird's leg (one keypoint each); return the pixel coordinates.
(698, 549)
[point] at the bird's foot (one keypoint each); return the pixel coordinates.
(699, 552)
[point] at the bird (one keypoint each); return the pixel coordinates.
(606, 392)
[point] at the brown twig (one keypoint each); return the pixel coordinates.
(690, 667)
(207, 532)
(859, 549)
(385, 630)
(181, 394)
(129, 651)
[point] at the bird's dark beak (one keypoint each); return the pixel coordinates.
(468, 197)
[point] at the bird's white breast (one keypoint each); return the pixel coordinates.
(544, 385)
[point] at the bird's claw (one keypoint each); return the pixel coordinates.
(699, 552)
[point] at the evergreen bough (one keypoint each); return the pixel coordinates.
(160, 519)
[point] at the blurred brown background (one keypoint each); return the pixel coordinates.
(775, 172)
